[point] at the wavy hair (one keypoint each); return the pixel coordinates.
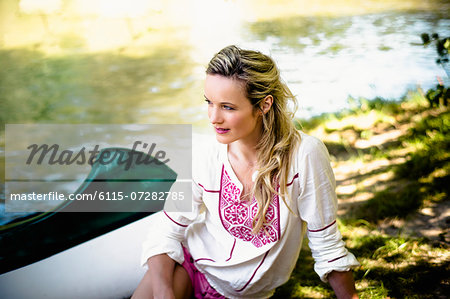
(279, 139)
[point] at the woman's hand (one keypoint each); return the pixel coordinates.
(343, 284)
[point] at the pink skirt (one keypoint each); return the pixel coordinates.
(202, 288)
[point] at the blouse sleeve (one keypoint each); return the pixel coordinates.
(167, 229)
(317, 204)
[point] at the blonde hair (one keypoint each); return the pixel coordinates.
(279, 139)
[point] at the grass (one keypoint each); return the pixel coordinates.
(425, 172)
(392, 164)
(391, 266)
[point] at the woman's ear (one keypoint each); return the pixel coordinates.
(266, 104)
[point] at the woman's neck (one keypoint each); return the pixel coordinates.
(243, 152)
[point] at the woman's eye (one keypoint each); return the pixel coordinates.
(228, 107)
(208, 102)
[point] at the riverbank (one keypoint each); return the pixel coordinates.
(392, 167)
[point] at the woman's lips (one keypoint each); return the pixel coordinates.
(221, 131)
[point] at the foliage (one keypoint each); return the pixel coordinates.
(433, 136)
(438, 96)
(441, 94)
(442, 46)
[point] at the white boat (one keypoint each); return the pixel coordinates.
(107, 266)
(66, 253)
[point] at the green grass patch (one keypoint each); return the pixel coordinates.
(432, 138)
(395, 266)
(424, 175)
(391, 266)
(397, 201)
(304, 282)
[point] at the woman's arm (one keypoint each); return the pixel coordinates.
(318, 209)
(343, 284)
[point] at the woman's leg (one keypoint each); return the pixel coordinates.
(182, 285)
(144, 288)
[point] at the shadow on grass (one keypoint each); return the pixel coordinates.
(362, 176)
(342, 151)
(425, 174)
(423, 280)
(397, 201)
(404, 197)
(303, 282)
(402, 269)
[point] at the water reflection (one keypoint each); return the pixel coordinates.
(97, 88)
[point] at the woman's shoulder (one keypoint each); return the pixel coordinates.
(310, 144)
(205, 147)
(206, 158)
(312, 160)
(311, 152)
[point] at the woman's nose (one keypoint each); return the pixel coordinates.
(214, 115)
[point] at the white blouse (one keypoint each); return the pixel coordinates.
(237, 263)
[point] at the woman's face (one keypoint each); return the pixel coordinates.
(230, 112)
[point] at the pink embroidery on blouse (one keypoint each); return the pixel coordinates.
(237, 216)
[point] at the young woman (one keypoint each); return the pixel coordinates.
(256, 193)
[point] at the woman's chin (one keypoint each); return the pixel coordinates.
(222, 139)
